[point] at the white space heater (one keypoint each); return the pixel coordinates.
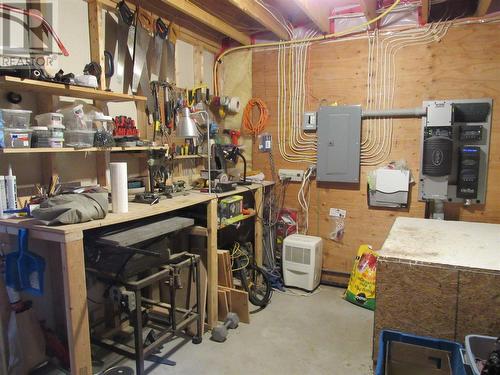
(302, 260)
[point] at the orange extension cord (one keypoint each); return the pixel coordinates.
(255, 128)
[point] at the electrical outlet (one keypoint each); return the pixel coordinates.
(293, 174)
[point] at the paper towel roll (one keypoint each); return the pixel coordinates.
(119, 193)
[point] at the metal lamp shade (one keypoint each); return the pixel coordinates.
(186, 128)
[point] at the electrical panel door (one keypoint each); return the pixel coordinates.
(339, 131)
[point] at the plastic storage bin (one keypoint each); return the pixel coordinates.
(49, 119)
(16, 138)
(456, 360)
(74, 118)
(16, 118)
(479, 347)
(79, 138)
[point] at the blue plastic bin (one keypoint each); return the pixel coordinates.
(456, 358)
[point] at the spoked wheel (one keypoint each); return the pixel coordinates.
(257, 285)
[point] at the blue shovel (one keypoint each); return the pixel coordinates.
(24, 270)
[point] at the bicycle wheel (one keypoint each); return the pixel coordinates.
(256, 284)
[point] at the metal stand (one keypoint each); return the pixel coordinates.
(166, 323)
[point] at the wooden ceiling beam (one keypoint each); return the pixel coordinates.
(370, 10)
(207, 19)
(252, 9)
(482, 7)
(317, 11)
(426, 10)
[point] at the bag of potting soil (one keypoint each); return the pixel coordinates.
(361, 288)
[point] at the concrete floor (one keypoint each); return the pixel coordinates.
(320, 334)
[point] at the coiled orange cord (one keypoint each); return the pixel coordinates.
(255, 128)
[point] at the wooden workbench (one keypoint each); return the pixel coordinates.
(68, 240)
(439, 278)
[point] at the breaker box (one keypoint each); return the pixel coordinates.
(455, 150)
(339, 132)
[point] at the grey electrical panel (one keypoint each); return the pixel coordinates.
(339, 132)
(455, 150)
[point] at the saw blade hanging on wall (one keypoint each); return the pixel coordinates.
(161, 34)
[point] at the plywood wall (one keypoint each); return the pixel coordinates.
(465, 64)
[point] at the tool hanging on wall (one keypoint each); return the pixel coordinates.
(171, 40)
(141, 77)
(161, 33)
(124, 43)
(164, 107)
(197, 95)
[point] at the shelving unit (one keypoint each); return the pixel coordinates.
(59, 89)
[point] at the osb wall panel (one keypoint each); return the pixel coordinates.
(478, 304)
(415, 299)
(464, 64)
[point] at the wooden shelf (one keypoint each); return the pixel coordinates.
(245, 217)
(46, 150)
(59, 89)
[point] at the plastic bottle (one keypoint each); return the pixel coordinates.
(11, 190)
(3, 196)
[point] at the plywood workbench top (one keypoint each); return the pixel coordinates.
(135, 211)
(454, 243)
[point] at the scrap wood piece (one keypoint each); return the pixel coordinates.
(223, 307)
(224, 269)
(239, 303)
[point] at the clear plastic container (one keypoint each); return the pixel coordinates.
(74, 118)
(79, 138)
(56, 131)
(16, 118)
(49, 119)
(16, 138)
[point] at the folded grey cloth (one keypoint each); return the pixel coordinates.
(72, 208)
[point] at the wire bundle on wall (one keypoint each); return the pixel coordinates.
(294, 144)
(304, 196)
(376, 145)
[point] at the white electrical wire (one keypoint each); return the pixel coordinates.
(304, 196)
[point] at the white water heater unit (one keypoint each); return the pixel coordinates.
(302, 261)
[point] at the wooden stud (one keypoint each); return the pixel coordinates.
(370, 10)
(212, 263)
(75, 292)
(259, 209)
(317, 11)
(96, 33)
(102, 167)
(426, 9)
(482, 7)
(254, 10)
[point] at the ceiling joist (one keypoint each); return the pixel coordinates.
(482, 7)
(262, 16)
(317, 11)
(207, 19)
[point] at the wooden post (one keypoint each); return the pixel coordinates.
(259, 211)
(96, 33)
(212, 263)
(75, 293)
(102, 159)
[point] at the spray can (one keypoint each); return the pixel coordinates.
(11, 190)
